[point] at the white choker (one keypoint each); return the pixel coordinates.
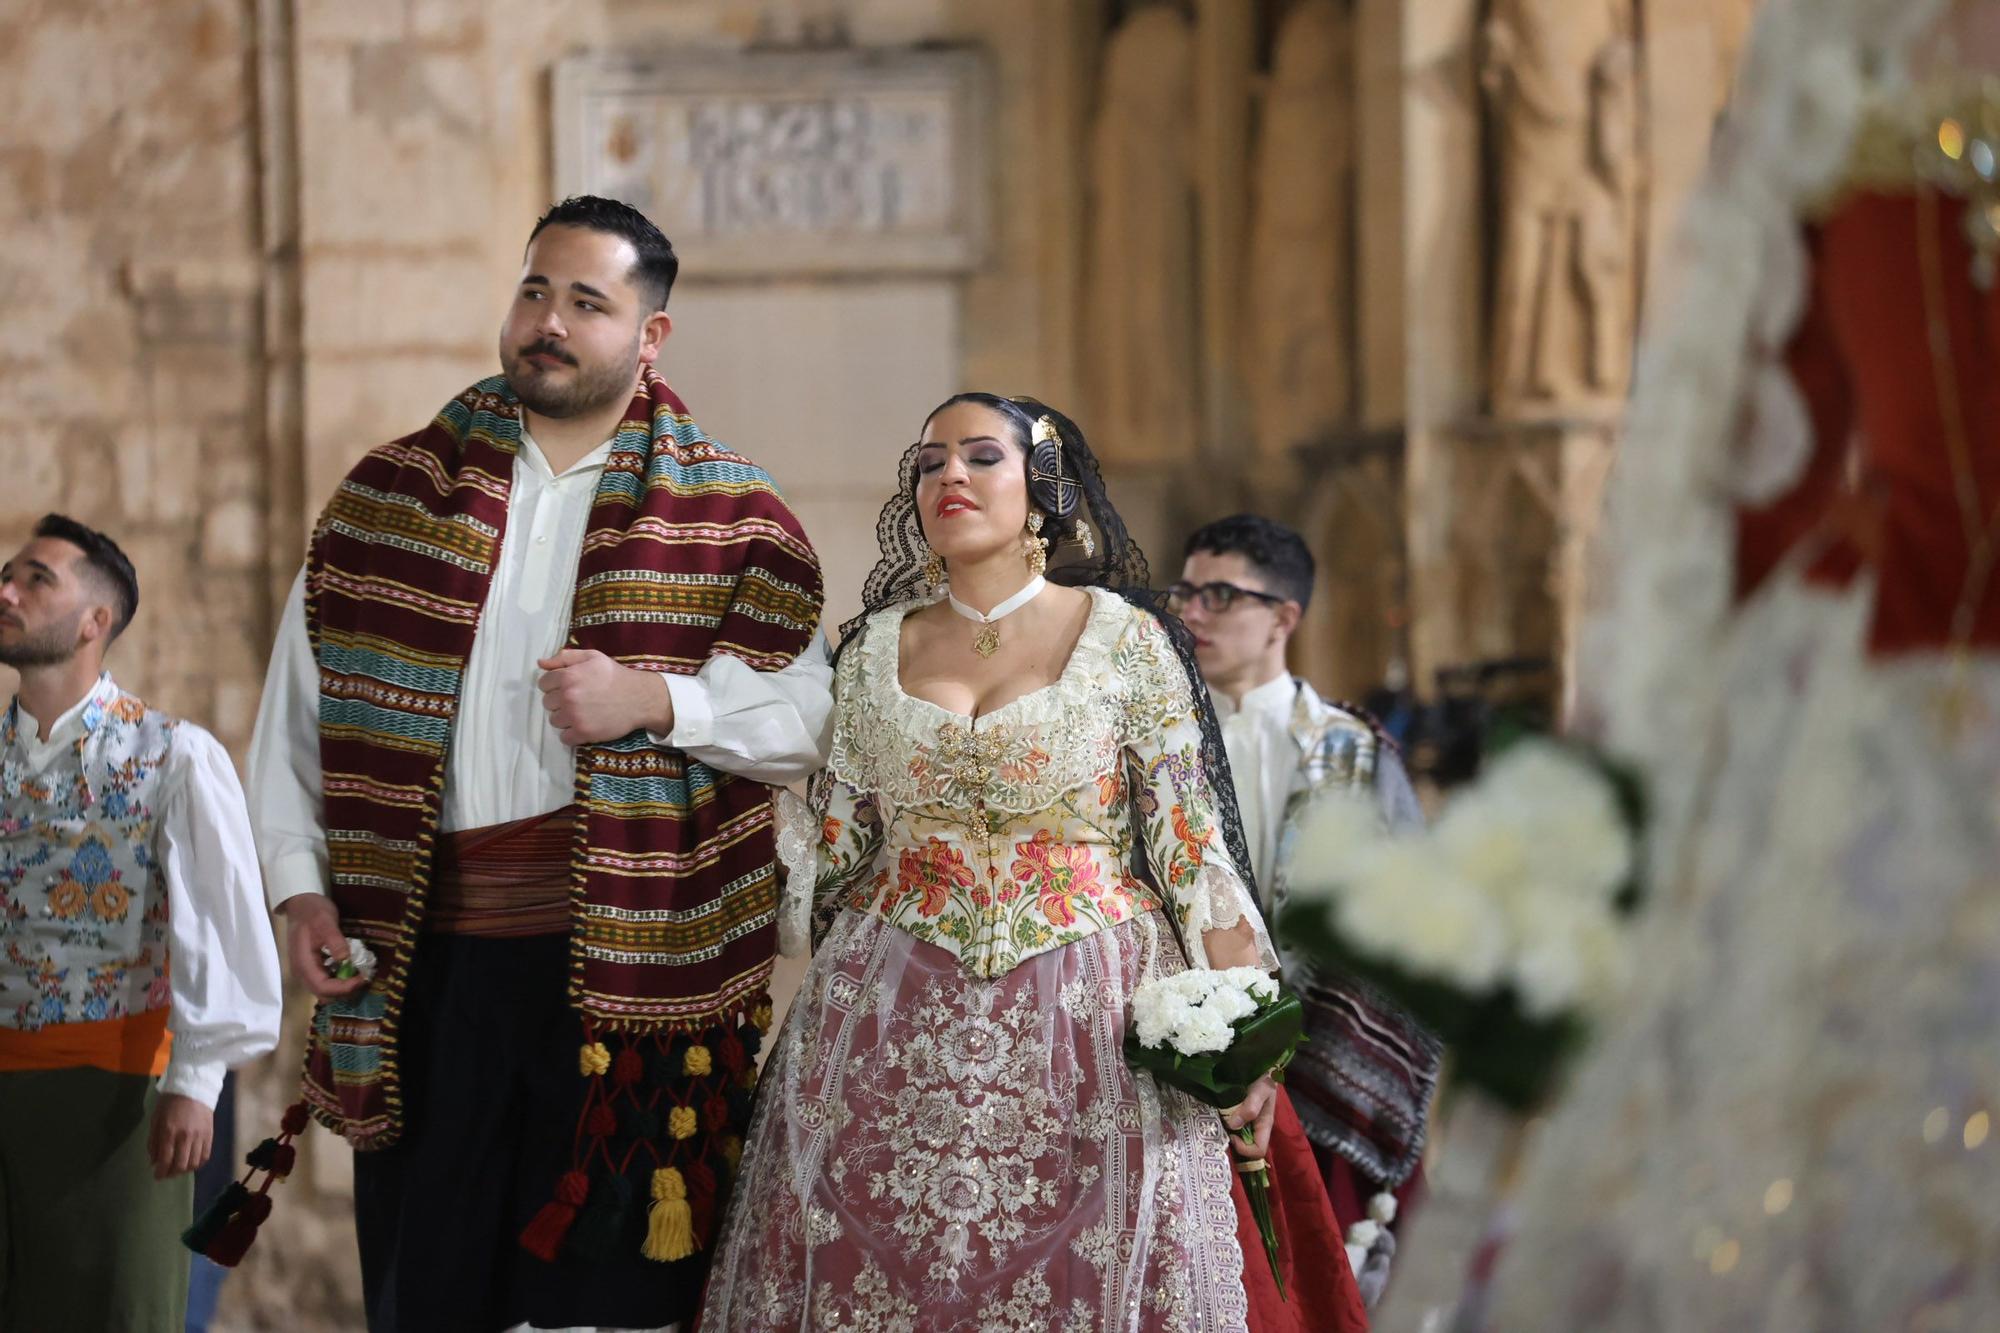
(987, 641)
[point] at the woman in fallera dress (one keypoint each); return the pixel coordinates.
(1026, 813)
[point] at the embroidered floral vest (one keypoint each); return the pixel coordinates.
(83, 903)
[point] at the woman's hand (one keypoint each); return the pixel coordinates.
(1258, 1108)
(1234, 947)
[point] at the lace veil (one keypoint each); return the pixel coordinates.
(1113, 562)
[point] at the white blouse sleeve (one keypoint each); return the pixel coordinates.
(286, 813)
(768, 726)
(222, 960)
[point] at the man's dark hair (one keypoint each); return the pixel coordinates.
(658, 265)
(1272, 549)
(106, 563)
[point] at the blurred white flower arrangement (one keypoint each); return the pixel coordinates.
(1502, 925)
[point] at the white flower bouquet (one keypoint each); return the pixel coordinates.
(1212, 1033)
(1501, 928)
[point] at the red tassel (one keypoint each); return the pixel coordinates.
(601, 1122)
(627, 1068)
(701, 1200)
(734, 1058)
(716, 1112)
(283, 1158)
(543, 1236)
(297, 1117)
(233, 1241)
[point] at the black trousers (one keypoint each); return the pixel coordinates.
(491, 1098)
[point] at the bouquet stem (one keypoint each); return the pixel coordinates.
(1257, 1188)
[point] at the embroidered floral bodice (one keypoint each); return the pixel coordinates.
(1006, 836)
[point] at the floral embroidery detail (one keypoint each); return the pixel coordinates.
(1195, 837)
(68, 900)
(110, 901)
(829, 831)
(958, 1155)
(931, 872)
(1058, 872)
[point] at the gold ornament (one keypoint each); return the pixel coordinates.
(1031, 545)
(934, 571)
(1084, 539)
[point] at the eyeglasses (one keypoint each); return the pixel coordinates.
(1215, 598)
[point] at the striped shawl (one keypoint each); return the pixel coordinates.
(689, 552)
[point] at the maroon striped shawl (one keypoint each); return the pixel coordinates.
(690, 552)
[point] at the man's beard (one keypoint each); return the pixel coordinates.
(594, 388)
(50, 647)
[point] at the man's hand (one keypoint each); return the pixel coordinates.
(592, 699)
(313, 924)
(182, 1134)
(1259, 1107)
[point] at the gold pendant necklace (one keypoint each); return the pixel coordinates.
(987, 641)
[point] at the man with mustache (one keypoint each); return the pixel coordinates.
(514, 767)
(136, 961)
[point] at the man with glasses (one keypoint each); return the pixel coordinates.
(1362, 1083)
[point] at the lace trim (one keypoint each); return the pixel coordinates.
(798, 846)
(1219, 901)
(1024, 756)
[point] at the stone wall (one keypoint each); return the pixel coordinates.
(132, 279)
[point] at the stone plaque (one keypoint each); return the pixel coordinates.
(763, 164)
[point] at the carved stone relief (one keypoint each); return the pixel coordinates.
(1299, 354)
(1562, 83)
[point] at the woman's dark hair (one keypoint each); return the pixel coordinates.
(657, 266)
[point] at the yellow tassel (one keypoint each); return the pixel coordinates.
(681, 1124)
(697, 1062)
(761, 1016)
(593, 1059)
(670, 1224)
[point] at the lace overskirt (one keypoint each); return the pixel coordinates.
(936, 1151)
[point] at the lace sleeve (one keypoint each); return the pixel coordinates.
(1176, 825)
(798, 841)
(846, 832)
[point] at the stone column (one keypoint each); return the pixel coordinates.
(1226, 39)
(1421, 226)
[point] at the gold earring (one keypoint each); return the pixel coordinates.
(1083, 537)
(1031, 543)
(934, 571)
